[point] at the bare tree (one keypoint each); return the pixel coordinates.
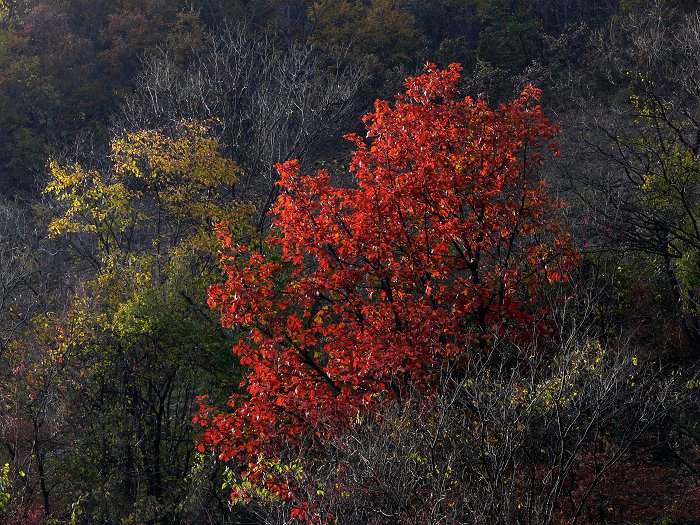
(30, 284)
(518, 438)
(24, 272)
(273, 101)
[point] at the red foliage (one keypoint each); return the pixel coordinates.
(442, 246)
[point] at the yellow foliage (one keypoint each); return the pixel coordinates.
(164, 190)
(146, 225)
(561, 389)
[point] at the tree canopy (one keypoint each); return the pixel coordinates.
(442, 248)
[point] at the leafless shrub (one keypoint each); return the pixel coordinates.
(508, 439)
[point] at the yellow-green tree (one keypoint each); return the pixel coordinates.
(157, 203)
(664, 214)
(137, 339)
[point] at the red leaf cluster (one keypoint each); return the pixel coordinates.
(442, 246)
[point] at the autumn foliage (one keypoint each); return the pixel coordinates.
(440, 249)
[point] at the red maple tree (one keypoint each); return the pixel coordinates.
(441, 247)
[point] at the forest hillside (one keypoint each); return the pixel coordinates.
(352, 262)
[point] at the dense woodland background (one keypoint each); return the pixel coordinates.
(128, 127)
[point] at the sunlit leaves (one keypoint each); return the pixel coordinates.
(441, 249)
(172, 188)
